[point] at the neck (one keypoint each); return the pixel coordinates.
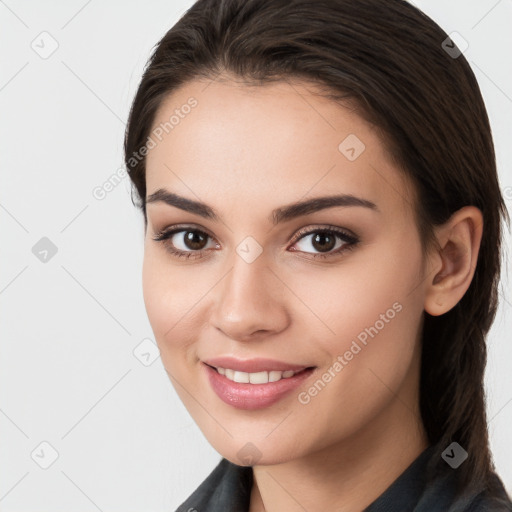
(350, 475)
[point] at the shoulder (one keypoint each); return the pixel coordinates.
(492, 499)
(427, 486)
(226, 489)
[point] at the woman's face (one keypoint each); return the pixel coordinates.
(345, 305)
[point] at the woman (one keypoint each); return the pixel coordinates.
(322, 232)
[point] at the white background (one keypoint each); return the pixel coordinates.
(68, 375)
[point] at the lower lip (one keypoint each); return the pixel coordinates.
(253, 396)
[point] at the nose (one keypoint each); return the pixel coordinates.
(250, 302)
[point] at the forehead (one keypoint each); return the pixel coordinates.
(278, 141)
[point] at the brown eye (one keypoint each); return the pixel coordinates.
(195, 240)
(184, 243)
(323, 243)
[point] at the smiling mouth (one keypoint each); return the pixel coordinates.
(262, 377)
(257, 389)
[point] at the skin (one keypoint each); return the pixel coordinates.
(245, 151)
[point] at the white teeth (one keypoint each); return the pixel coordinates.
(257, 377)
(274, 376)
(241, 377)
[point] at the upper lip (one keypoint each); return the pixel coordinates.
(253, 365)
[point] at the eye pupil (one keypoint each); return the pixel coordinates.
(195, 240)
(321, 239)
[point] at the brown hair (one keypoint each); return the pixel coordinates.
(389, 59)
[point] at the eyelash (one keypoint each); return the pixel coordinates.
(350, 240)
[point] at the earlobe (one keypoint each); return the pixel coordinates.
(454, 260)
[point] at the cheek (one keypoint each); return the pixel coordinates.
(373, 367)
(350, 297)
(373, 309)
(170, 296)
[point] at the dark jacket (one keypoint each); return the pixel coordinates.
(228, 489)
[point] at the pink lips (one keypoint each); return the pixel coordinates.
(253, 396)
(253, 365)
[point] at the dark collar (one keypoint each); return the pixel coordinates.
(228, 489)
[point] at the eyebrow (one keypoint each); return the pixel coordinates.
(282, 214)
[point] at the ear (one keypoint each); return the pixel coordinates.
(453, 262)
